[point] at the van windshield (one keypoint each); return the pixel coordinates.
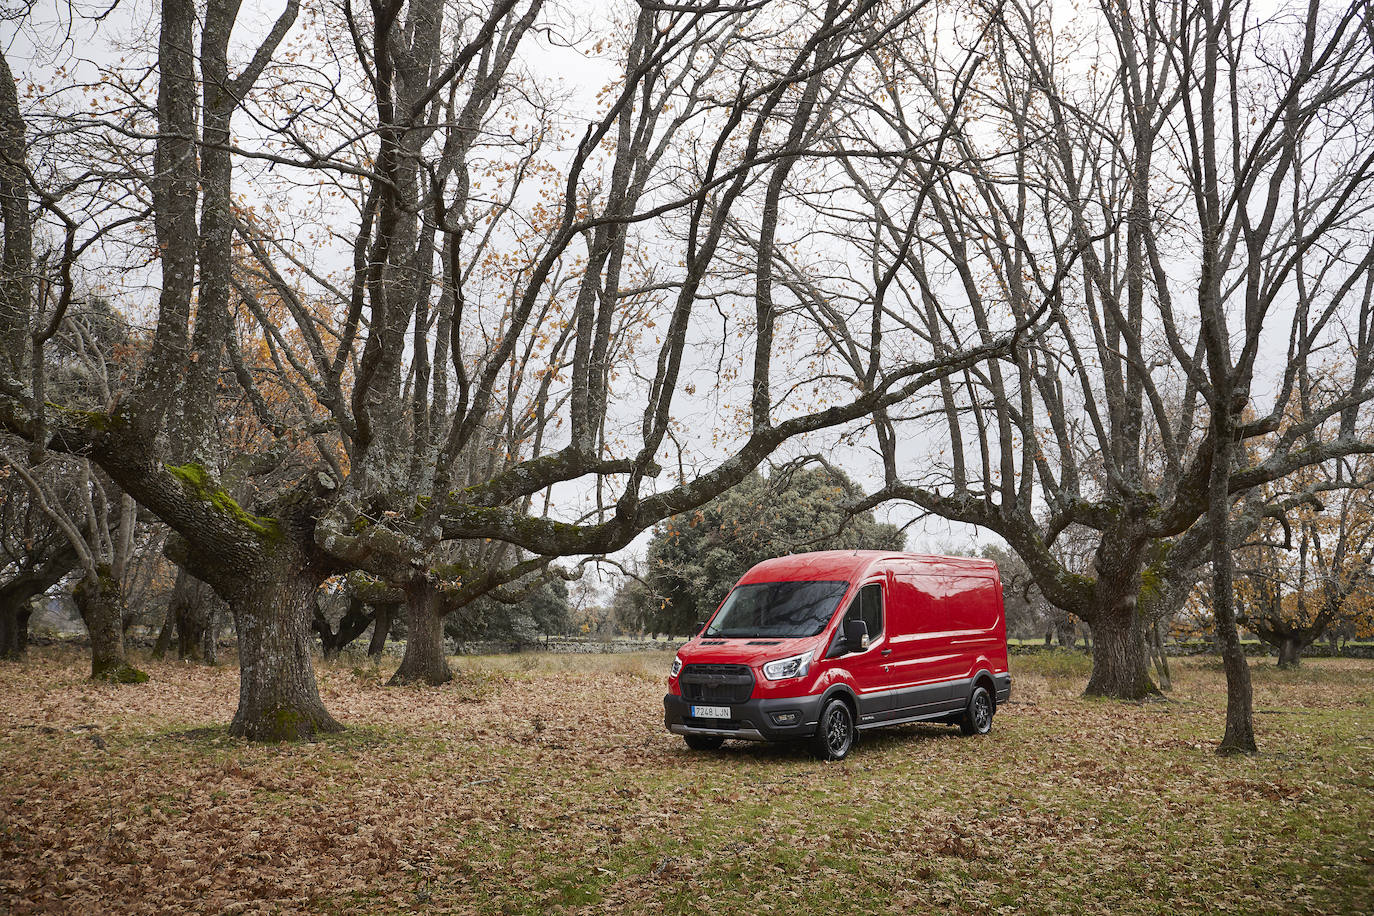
(785, 609)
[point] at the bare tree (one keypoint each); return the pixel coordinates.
(37, 557)
(1091, 187)
(99, 525)
(480, 354)
(1310, 569)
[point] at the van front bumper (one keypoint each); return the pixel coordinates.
(783, 719)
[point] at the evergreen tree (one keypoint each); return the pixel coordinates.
(695, 557)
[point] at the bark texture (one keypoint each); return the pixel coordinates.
(14, 630)
(424, 661)
(278, 697)
(16, 249)
(100, 599)
(1121, 665)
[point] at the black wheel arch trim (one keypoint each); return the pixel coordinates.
(985, 674)
(842, 690)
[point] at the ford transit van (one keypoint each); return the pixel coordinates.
(820, 646)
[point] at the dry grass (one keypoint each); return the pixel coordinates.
(546, 783)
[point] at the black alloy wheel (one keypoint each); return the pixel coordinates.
(977, 719)
(835, 733)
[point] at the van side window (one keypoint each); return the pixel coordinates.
(868, 607)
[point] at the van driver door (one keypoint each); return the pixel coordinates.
(869, 667)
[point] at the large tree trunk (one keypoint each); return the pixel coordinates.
(1290, 652)
(14, 629)
(424, 661)
(100, 599)
(1120, 663)
(381, 626)
(278, 698)
(16, 258)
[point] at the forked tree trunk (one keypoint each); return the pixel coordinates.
(424, 661)
(17, 595)
(381, 626)
(278, 697)
(100, 599)
(352, 625)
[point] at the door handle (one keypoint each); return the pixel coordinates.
(885, 652)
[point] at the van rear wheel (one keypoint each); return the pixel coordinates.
(835, 732)
(977, 719)
(703, 742)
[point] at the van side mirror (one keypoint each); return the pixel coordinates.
(855, 635)
(701, 625)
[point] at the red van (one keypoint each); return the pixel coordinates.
(819, 646)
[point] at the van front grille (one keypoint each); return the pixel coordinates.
(716, 683)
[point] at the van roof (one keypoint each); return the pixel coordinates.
(848, 565)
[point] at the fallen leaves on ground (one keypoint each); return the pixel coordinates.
(547, 784)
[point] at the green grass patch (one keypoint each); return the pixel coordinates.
(1053, 663)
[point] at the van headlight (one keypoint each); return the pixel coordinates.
(677, 666)
(792, 666)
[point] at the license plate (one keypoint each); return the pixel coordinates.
(710, 712)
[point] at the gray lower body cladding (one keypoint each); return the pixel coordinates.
(796, 717)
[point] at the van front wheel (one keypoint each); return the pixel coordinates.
(835, 733)
(703, 742)
(977, 718)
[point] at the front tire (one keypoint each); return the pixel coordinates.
(703, 742)
(835, 733)
(977, 718)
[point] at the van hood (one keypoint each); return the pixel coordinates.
(754, 652)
